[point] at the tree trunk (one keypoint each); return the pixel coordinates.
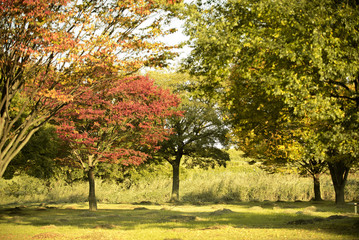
(92, 195)
(14, 145)
(175, 177)
(175, 182)
(339, 173)
(316, 181)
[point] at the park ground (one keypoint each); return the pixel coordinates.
(146, 220)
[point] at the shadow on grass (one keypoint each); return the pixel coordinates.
(279, 215)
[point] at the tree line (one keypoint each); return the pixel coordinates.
(276, 79)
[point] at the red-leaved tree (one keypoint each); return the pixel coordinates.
(50, 48)
(118, 122)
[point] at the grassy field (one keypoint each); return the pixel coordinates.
(237, 202)
(261, 220)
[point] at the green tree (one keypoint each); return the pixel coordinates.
(266, 129)
(37, 158)
(199, 134)
(302, 52)
(195, 135)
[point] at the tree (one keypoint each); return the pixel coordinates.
(51, 48)
(199, 134)
(304, 52)
(195, 135)
(265, 128)
(116, 123)
(315, 168)
(37, 158)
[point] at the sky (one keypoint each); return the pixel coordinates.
(177, 38)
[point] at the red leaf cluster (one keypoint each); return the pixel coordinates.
(117, 121)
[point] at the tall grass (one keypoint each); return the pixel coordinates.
(256, 186)
(235, 183)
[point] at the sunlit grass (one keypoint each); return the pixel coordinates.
(237, 202)
(262, 220)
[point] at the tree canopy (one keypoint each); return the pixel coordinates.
(200, 134)
(51, 48)
(298, 58)
(116, 123)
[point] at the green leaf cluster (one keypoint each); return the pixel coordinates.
(284, 69)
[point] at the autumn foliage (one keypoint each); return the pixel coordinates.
(49, 49)
(117, 121)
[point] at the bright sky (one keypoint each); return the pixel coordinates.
(177, 38)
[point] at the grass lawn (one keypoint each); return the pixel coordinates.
(254, 220)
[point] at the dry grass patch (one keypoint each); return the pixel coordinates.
(48, 235)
